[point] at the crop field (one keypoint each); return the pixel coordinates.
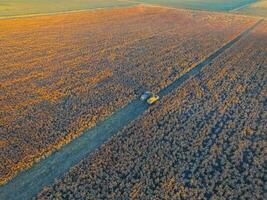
(258, 9)
(11, 8)
(212, 5)
(205, 140)
(61, 74)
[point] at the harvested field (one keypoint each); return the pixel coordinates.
(212, 5)
(206, 140)
(61, 74)
(258, 9)
(18, 8)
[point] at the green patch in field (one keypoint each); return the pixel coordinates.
(216, 5)
(30, 7)
(257, 9)
(10, 8)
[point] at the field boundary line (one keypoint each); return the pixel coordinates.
(134, 3)
(240, 7)
(12, 17)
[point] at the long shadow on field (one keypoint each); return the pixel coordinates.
(29, 182)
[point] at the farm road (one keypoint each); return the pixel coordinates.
(29, 182)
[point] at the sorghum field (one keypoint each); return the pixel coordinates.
(61, 74)
(205, 140)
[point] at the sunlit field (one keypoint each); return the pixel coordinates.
(133, 99)
(9, 8)
(66, 73)
(216, 5)
(206, 140)
(257, 9)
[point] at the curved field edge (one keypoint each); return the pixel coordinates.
(26, 163)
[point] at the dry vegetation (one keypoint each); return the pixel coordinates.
(61, 74)
(206, 140)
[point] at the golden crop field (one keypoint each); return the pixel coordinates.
(61, 74)
(205, 140)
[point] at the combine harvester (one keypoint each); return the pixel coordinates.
(149, 97)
